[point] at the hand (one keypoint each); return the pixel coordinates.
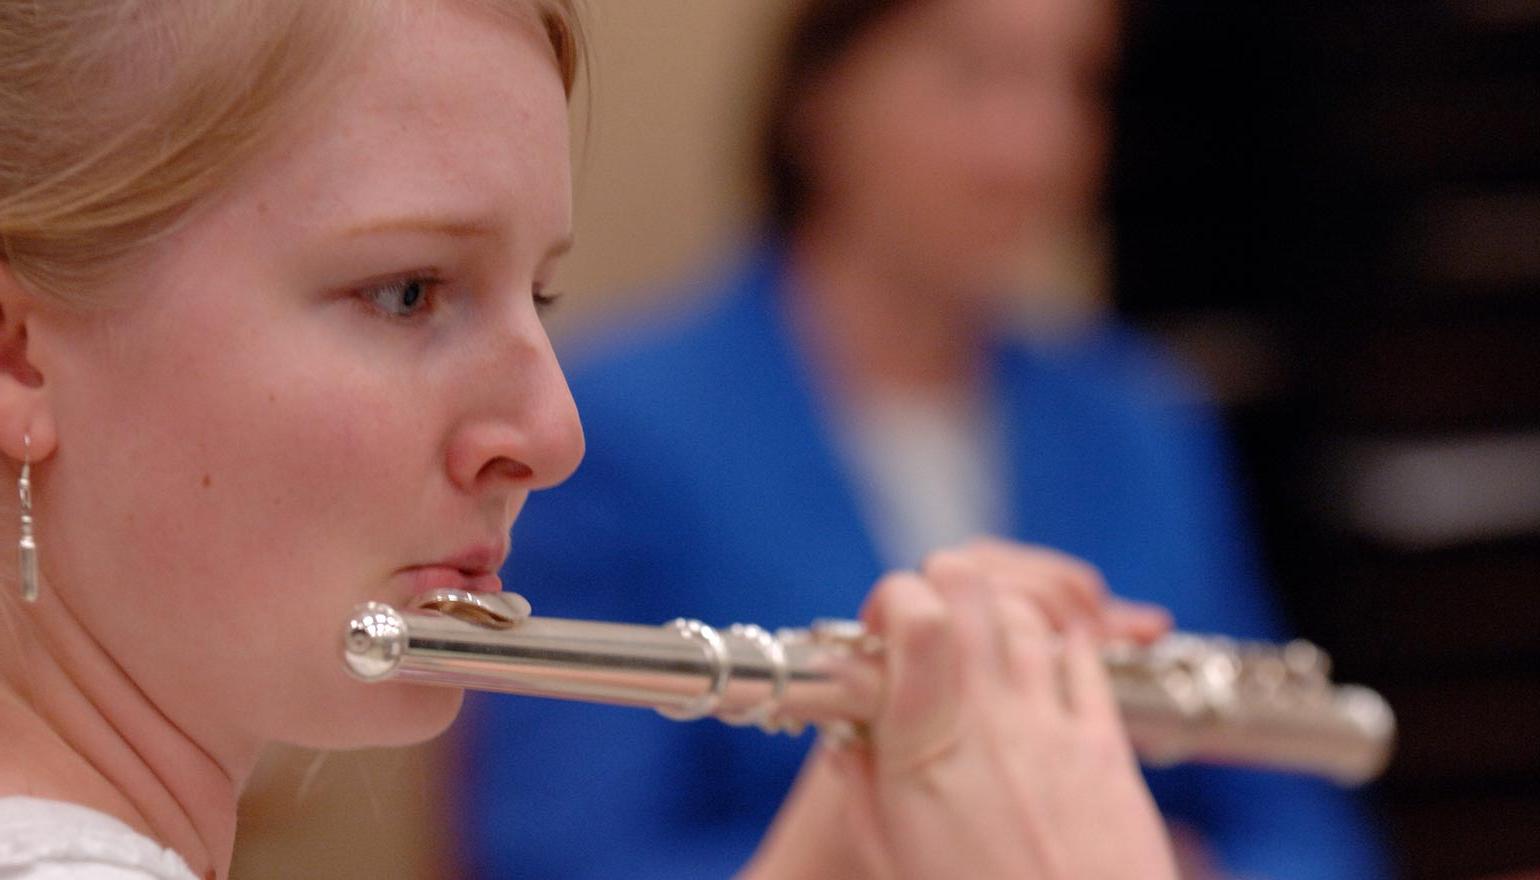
(998, 751)
(1067, 590)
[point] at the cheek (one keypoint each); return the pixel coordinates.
(210, 473)
(211, 514)
(903, 157)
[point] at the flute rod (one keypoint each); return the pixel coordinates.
(1185, 698)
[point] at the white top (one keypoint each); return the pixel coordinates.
(53, 840)
(929, 471)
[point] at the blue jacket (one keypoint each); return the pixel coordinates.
(711, 489)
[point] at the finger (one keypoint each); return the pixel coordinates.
(1088, 686)
(1038, 577)
(922, 670)
(1138, 622)
(1002, 628)
(1028, 659)
(965, 586)
(1067, 588)
(1042, 589)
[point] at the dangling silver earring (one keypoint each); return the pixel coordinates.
(27, 546)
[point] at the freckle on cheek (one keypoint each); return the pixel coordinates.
(207, 481)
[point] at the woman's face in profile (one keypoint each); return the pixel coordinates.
(959, 133)
(331, 385)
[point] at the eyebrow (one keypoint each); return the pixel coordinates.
(447, 226)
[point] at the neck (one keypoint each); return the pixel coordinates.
(870, 328)
(84, 732)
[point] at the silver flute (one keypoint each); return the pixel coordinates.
(1183, 698)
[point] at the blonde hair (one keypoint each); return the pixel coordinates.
(116, 116)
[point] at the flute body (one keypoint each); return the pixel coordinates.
(1184, 698)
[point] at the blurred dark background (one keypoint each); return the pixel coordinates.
(1335, 210)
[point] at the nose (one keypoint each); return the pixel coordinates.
(523, 431)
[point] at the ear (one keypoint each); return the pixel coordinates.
(24, 407)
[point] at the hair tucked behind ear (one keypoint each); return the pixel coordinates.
(116, 116)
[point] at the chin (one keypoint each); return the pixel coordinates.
(389, 714)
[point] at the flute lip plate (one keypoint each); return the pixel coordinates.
(491, 610)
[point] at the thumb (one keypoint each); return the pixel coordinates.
(922, 671)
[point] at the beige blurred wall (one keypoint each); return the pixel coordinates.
(660, 176)
(659, 183)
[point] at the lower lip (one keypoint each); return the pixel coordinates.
(428, 578)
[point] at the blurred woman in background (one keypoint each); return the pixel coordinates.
(860, 388)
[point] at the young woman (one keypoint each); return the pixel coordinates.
(270, 346)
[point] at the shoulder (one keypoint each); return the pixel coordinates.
(46, 839)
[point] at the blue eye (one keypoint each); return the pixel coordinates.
(404, 297)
